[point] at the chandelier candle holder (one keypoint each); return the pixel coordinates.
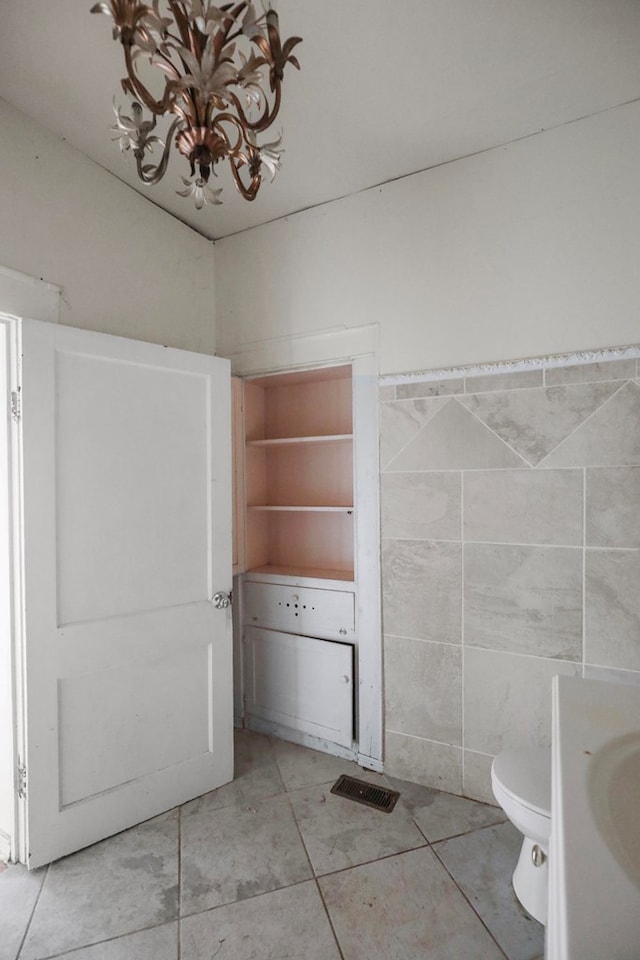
(219, 70)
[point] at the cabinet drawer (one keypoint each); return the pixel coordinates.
(300, 682)
(308, 610)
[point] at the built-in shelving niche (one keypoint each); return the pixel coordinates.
(299, 474)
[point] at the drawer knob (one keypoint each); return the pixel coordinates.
(343, 631)
(345, 679)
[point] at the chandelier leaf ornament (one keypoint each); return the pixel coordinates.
(219, 71)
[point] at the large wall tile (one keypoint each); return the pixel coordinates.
(429, 388)
(612, 608)
(423, 689)
(507, 699)
(584, 372)
(535, 421)
(422, 590)
(476, 776)
(525, 599)
(386, 392)
(421, 506)
(523, 506)
(611, 437)
(454, 440)
(613, 507)
(610, 675)
(517, 380)
(401, 420)
(423, 761)
(532, 476)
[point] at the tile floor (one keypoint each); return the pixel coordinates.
(274, 867)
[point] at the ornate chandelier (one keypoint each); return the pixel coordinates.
(213, 64)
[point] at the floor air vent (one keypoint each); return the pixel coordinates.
(369, 794)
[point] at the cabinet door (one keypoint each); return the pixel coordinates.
(127, 537)
(301, 682)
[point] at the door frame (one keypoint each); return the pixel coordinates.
(21, 296)
(13, 585)
(357, 346)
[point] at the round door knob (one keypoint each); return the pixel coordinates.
(221, 600)
(343, 631)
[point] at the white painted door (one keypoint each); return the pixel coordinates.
(126, 516)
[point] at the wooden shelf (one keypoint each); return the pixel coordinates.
(304, 509)
(300, 572)
(292, 441)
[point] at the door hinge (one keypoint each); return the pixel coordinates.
(21, 781)
(16, 411)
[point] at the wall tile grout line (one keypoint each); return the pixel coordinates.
(513, 543)
(525, 468)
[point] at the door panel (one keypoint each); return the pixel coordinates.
(171, 694)
(127, 536)
(146, 467)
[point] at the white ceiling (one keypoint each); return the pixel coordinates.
(387, 88)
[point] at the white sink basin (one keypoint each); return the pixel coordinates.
(594, 856)
(614, 795)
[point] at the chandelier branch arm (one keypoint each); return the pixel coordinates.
(217, 125)
(256, 126)
(148, 172)
(133, 85)
(250, 192)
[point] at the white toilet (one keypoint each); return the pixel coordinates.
(521, 781)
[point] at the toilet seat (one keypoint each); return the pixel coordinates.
(524, 775)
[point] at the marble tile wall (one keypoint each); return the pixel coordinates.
(510, 552)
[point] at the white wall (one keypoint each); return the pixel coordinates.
(125, 266)
(525, 250)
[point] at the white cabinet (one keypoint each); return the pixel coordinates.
(300, 683)
(309, 593)
(298, 594)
